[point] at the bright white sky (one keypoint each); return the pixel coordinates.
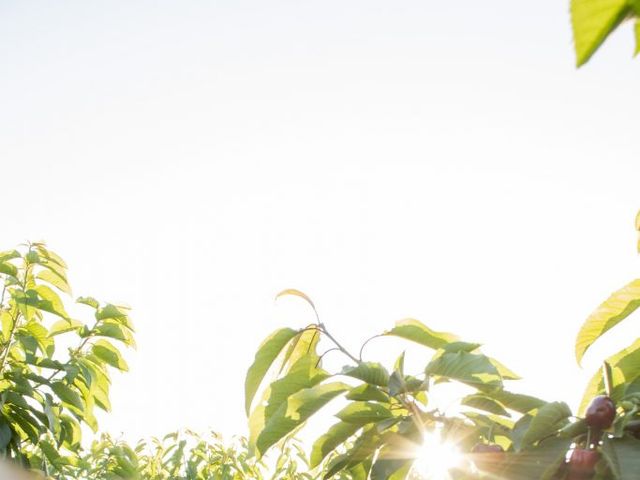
(440, 160)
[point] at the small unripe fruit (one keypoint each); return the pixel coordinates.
(601, 412)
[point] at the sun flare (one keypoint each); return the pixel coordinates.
(436, 457)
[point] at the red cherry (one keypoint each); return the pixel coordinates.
(582, 464)
(601, 412)
(487, 448)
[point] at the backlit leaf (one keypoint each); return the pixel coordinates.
(616, 308)
(370, 372)
(416, 331)
(296, 410)
(548, 419)
(470, 368)
(361, 413)
(297, 293)
(264, 358)
(335, 436)
(110, 354)
(593, 21)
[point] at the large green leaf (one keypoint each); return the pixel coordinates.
(8, 268)
(361, 413)
(593, 21)
(622, 456)
(42, 298)
(303, 343)
(117, 331)
(56, 279)
(296, 410)
(264, 358)
(366, 392)
(370, 372)
(416, 331)
(516, 401)
(616, 308)
(336, 435)
(64, 326)
(470, 368)
(68, 395)
(303, 374)
(360, 451)
(483, 402)
(107, 352)
(549, 418)
(9, 255)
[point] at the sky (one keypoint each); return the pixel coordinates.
(437, 160)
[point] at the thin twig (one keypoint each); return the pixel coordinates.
(365, 344)
(340, 347)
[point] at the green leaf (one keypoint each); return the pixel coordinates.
(9, 255)
(616, 308)
(110, 354)
(461, 347)
(6, 320)
(303, 374)
(504, 372)
(550, 418)
(636, 33)
(68, 395)
(64, 326)
(336, 435)
(416, 331)
(296, 410)
(110, 311)
(24, 423)
(5, 434)
(515, 401)
(593, 21)
(366, 392)
(370, 372)
(470, 368)
(622, 456)
(56, 279)
(482, 402)
(50, 301)
(50, 256)
(361, 451)
(264, 358)
(92, 302)
(49, 451)
(361, 413)
(303, 343)
(8, 269)
(116, 331)
(297, 293)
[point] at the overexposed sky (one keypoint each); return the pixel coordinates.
(439, 160)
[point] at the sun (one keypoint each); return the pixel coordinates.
(436, 457)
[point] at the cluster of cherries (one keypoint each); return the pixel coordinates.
(582, 463)
(600, 415)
